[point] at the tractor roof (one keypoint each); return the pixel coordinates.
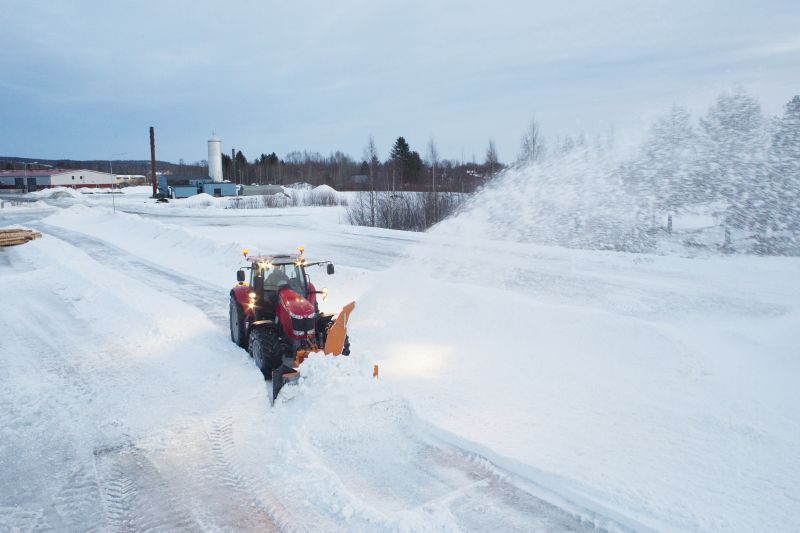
(278, 259)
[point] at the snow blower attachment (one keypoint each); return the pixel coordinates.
(275, 316)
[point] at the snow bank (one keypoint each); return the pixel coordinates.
(57, 192)
(137, 190)
(10, 206)
(641, 383)
(215, 256)
(165, 244)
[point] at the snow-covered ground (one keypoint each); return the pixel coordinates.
(522, 386)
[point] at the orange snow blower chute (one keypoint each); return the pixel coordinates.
(334, 339)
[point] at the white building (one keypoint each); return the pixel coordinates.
(31, 180)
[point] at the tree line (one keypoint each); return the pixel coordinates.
(405, 169)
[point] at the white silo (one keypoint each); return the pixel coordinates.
(215, 158)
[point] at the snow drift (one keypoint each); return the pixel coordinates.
(642, 383)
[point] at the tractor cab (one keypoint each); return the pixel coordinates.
(291, 275)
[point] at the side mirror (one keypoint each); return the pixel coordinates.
(240, 276)
(330, 268)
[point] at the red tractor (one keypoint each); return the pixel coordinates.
(274, 315)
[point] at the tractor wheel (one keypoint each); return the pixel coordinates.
(263, 349)
(238, 333)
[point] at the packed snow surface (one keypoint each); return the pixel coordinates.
(522, 386)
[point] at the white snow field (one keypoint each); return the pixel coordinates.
(522, 387)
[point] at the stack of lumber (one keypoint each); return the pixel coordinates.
(12, 237)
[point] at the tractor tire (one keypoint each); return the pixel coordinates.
(263, 349)
(236, 316)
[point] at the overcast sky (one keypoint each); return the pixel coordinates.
(85, 79)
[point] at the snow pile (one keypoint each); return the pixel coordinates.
(321, 195)
(324, 189)
(12, 205)
(201, 200)
(137, 190)
(57, 193)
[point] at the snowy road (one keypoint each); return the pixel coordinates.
(125, 407)
(523, 387)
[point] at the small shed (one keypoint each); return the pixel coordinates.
(182, 191)
(220, 188)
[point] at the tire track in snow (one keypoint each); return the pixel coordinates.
(130, 483)
(78, 501)
(137, 497)
(209, 299)
(223, 447)
(61, 392)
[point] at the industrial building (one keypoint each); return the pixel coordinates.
(186, 186)
(33, 180)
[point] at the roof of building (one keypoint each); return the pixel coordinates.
(43, 173)
(32, 173)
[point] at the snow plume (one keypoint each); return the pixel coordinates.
(576, 199)
(734, 164)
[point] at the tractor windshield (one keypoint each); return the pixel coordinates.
(291, 275)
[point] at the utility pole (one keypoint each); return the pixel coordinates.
(233, 165)
(153, 161)
(114, 182)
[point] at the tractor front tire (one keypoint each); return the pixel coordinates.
(238, 333)
(263, 349)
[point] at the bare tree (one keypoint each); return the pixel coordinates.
(492, 162)
(433, 159)
(532, 147)
(371, 157)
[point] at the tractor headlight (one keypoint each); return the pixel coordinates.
(324, 292)
(252, 295)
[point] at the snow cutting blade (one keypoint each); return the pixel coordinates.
(280, 376)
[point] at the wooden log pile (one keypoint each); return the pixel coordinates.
(13, 237)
